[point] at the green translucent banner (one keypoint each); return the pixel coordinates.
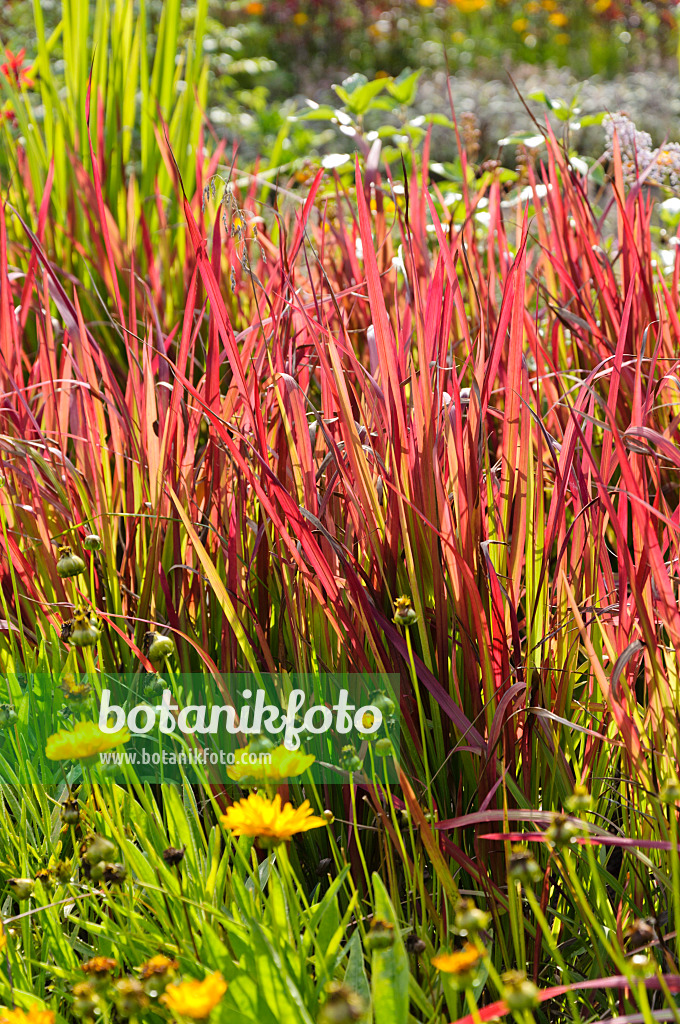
(241, 729)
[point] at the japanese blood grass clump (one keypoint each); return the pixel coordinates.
(478, 494)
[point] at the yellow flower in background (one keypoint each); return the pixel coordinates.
(195, 999)
(285, 764)
(83, 741)
(268, 821)
(465, 960)
(469, 6)
(300, 18)
(34, 1015)
(601, 5)
(562, 38)
(426, 3)
(558, 18)
(520, 25)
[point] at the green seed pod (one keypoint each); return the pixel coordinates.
(154, 687)
(114, 873)
(469, 919)
(69, 564)
(21, 888)
(380, 934)
(96, 871)
(92, 542)
(85, 1000)
(404, 612)
(580, 800)
(383, 703)
(157, 648)
(260, 744)
(562, 831)
(99, 849)
(519, 993)
(523, 868)
(70, 811)
(129, 997)
(8, 716)
(342, 1005)
(383, 747)
(63, 870)
(84, 631)
(350, 760)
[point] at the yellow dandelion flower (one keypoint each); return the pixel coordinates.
(461, 962)
(34, 1015)
(558, 18)
(195, 999)
(300, 18)
(284, 764)
(520, 25)
(83, 741)
(426, 3)
(268, 821)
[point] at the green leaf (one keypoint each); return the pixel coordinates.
(358, 97)
(405, 86)
(390, 967)
(355, 974)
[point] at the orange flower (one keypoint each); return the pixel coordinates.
(255, 8)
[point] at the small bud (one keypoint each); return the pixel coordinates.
(92, 542)
(380, 934)
(99, 848)
(44, 876)
(99, 969)
(350, 760)
(21, 888)
(8, 716)
(383, 747)
(640, 934)
(523, 868)
(69, 564)
(95, 872)
(154, 686)
(260, 744)
(329, 816)
(383, 703)
(173, 856)
(85, 1000)
(63, 870)
(129, 997)
(519, 993)
(342, 1005)
(414, 944)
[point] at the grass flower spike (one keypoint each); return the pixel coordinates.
(86, 740)
(268, 821)
(195, 999)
